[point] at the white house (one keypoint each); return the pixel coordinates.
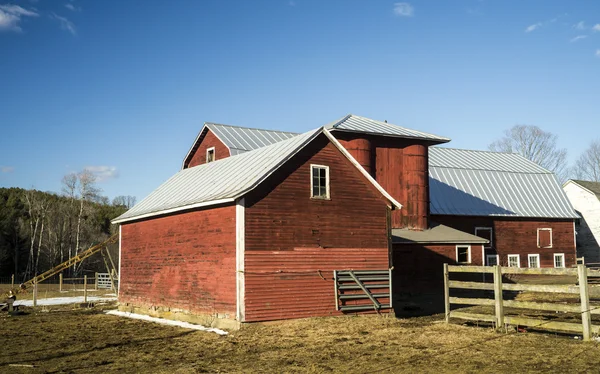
(585, 198)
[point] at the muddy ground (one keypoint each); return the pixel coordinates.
(72, 340)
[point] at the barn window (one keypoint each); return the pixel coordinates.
(514, 261)
(319, 182)
(533, 261)
(210, 154)
(463, 254)
(559, 260)
(486, 233)
(492, 260)
(544, 238)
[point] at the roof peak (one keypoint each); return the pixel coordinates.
(249, 128)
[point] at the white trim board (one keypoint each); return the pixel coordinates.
(240, 249)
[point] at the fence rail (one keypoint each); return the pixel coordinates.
(498, 302)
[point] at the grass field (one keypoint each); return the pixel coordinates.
(64, 339)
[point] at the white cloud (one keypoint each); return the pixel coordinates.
(10, 17)
(404, 10)
(103, 173)
(65, 24)
(72, 7)
(533, 27)
(578, 37)
(6, 169)
(596, 27)
(579, 25)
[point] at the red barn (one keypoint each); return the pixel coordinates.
(258, 222)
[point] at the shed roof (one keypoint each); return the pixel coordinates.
(354, 123)
(482, 183)
(225, 180)
(437, 233)
(593, 187)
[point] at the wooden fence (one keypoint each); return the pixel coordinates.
(498, 286)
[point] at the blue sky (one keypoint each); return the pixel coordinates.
(123, 87)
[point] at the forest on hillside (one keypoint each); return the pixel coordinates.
(39, 230)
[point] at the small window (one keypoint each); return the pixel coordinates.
(559, 260)
(491, 260)
(544, 238)
(514, 261)
(210, 155)
(534, 261)
(486, 233)
(463, 254)
(319, 182)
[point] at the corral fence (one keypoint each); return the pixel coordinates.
(499, 302)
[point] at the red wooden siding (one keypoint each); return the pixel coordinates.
(207, 140)
(519, 236)
(281, 218)
(184, 261)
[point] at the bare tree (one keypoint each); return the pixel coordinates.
(87, 192)
(126, 201)
(587, 166)
(536, 145)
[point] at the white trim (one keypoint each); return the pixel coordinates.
(204, 126)
(213, 153)
(469, 253)
(327, 194)
(482, 255)
(361, 169)
(491, 243)
(172, 210)
(240, 248)
(574, 236)
(487, 257)
(118, 275)
(518, 260)
(562, 255)
(538, 236)
(529, 257)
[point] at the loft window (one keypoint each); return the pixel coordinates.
(533, 261)
(544, 238)
(486, 233)
(492, 260)
(559, 260)
(210, 154)
(514, 261)
(319, 182)
(463, 254)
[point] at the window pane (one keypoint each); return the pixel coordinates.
(463, 254)
(315, 191)
(315, 172)
(513, 261)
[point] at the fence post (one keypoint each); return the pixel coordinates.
(60, 282)
(35, 293)
(498, 296)
(586, 318)
(12, 282)
(447, 292)
(96, 282)
(85, 288)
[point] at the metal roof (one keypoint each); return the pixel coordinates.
(480, 183)
(225, 180)
(355, 123)
(437, 233)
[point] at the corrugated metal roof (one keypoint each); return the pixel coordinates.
(244, 139)
(355, 123)
(477, 183)
(437, 233)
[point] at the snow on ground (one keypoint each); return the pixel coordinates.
(64, 300)
(163, 321)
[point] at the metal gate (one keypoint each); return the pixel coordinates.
(104, 281)
(357, 290)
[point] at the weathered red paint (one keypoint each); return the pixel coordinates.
(206, 140)
(184, 261)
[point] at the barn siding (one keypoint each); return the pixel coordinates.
(288, 232)
(184, 261)
(209, 140)
(519, 236)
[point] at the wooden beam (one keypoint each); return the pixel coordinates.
(471, 301)
(446, 293)
(473, 316)
(541, 288)
(586, 317)
(499, 305)
(470, 269)
(471, 285)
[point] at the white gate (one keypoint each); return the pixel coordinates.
(104, 281)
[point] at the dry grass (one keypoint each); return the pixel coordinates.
(88, 341)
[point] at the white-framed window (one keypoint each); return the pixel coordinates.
(559, 260)
(463, 254)
(533, 261)
(544, 238)
(514, 261)
(486, 233)
(491, 260)
(319, 182)
(210, 154)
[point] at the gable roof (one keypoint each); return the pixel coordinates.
(593, 187)
(238, 139)
(482, 183)
(436, 233)
(228, 179)
(353, 123)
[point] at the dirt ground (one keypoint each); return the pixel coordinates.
(71, 340)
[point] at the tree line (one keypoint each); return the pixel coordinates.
(39, 230)
(542, 148)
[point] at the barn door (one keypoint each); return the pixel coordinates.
(357, 290)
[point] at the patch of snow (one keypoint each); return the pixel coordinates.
(163, 321)
(63, 300)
